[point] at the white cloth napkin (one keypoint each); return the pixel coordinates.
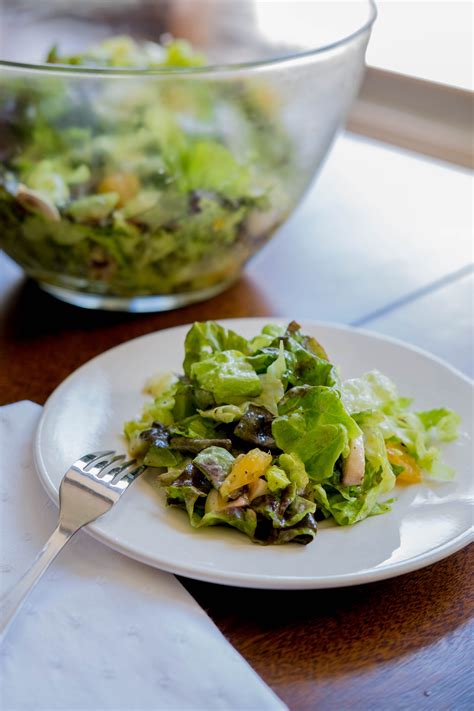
(101, 631)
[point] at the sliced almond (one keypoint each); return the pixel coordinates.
(353, 466)
(34, 202)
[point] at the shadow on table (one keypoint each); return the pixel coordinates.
(323, 634)
(28, 312)
(44, 339)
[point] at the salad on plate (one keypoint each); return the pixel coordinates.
(264, 436)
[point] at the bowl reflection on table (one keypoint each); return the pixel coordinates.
(190, 170)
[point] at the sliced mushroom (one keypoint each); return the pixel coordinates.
(353, 466)
(236, 503)
(257, 488)
(34, 202)
(260, 223)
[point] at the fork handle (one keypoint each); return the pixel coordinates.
(14, 599)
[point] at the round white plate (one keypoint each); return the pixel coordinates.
(428, 521)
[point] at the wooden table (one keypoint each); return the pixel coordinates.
(382, 240)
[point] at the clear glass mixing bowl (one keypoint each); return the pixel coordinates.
(147, 189)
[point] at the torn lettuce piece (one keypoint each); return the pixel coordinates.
(306, 359)
(159, 410)
(179, 53)
(195, 427)
(309, 343)
(197, 444)
(160, 384)
(123, 51)
(215, 463)
(211, 166)
(92, 208)
(225, 413)
(284, 508)
(376, 458)
(295, 470)
(440, 424)
(192, 491)
(314, 424)
(228, 376)
(160, 457)
(348, 505)
(243, 519)
(255, 427)
(373, 391)
(188, 491)
(267, 336)
(273, 383)
(184, 405)
(408, 428)
(208, 337)
(271, 376)
(262, 359)
(45, 178)
(374, 394)
(276, 478)
(303, 532)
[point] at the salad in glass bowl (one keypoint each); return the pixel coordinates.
(135, 174)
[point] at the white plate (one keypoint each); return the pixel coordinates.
(428, 522)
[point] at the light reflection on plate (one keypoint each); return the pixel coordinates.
(427, 523)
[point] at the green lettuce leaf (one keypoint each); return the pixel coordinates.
(162, 457)
(272, 389)
(303, 532)
(272, 383)
(184, 402)
(123, 51)
(350, 504)
(211, 166)
(314, 424)
(374, 394)
(225, 413)
(93, 207)
(372, 391)
(206, 338)
(255, 427)
(158, 410)
(276, 478)
(306, 359)
(195, 427)
(376, 458)
(215, 463)
(228, 376)
(441, 424)
(189, 491)
(295, 470)
(346, 509)
(284, 508)
(243, 519)
(269, 333)
(408, 428)
(179, 53)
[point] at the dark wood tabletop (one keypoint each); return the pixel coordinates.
(367, 247)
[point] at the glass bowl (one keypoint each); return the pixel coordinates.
(141, 189)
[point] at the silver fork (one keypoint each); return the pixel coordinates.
(90, 487)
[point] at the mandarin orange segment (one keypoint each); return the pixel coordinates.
(411, 473)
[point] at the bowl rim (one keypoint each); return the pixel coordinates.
(202, 71)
